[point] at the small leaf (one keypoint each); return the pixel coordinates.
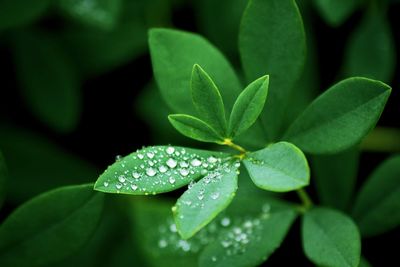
(99, 13)
(330, 238)
(335, 177)
(376, 209)
(33, 162)
(15, 13)
(335, 12)
(339, 118)
(249, 243)
(377, 59)
(48, 80)
(272, 41)
(50, 227)
(3, 179)
(203, 201)
(173, 55)
(280, 167)
(157, 169)
(248, 106)
(194, 128)
(207, 100)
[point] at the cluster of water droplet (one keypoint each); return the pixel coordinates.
(151, 168)
(234, 234)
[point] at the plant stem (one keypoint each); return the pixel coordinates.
(305, 198)
(228, 142)
(383, 140)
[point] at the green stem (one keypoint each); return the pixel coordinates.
(228, 142)
(382, 139)
(305, 198)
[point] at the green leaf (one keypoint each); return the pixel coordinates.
(204, 200)
(335, 12)
(3, 179)
(15, 13)
(272, 41)
(48, 80)
(173, 55)
(194, 128)
(330, 238)
(99, 13)
(50, 227)
(340, 117)
(377, 59)
(378, 202)
(157, 169)
(335, 177)
(280, 167)
(248, 106)
(249, 243)
(207, 100)
(36, 165)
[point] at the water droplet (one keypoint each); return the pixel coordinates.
(172, 228)
(248, 224)
(134, 187)
(140, 156)
(121, 178)
(170, 150)
(225, 221)
(215, 195)
(150, 155)
(151, 172)
(195, 162)
(105, 184)
(191, 184)
(162, 243)
(163, 169)
(172, 180)
(135, 175)
(171, 163)
(184, 245)
(266, 208)
(237, 164)
(213, 258)
(211, 159)
(203, 172)
(184, 172)
(118, 186)
(118, 157)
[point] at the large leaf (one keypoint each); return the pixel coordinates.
(99, 13)
(272, 41)
(3, 179)
(330, 238)
(204, 200)
(335, 177)
(335, 12)
(248, 106)
(157, 169)
(279, 167)
(173, 55)
(50, 227)
(377, 59)
(376, 209)
(207, 100)
(340, 117)
(44, 165)
(48, 80)
(194, 128)
(15, 13)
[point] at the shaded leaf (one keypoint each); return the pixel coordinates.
(335, 177)
(99, 13)
(330, 238)
(36, 165)
(377, 59)
(279, 167)
(194, 128)
(378, 202)
(272, 41)
(50, 227)
(248, 106)
(335, 12)
(340, 117)
(204, 200)
(3, 179)
(173, 55)
(48, 80)
(15, 13)
(157, 169)
(207, 100)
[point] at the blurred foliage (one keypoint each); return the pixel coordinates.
(57, 46)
